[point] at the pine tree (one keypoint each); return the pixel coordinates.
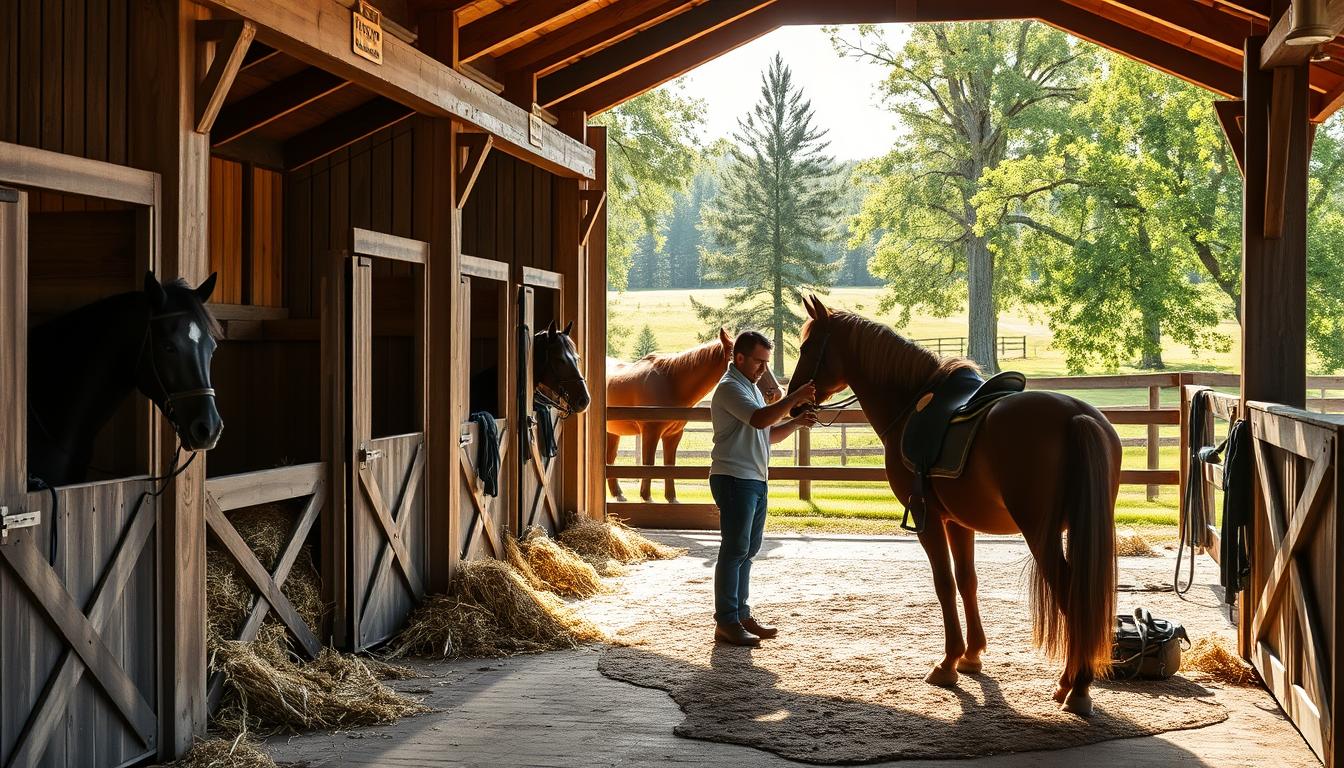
(774, 209)
(646, 344)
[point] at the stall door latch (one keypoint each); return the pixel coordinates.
(368, 455)
(10, 522)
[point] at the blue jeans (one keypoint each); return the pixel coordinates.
(741, 526)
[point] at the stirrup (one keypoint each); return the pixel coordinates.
(918, 526)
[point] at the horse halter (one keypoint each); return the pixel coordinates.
(839, 404)
(169, 397)
(561, 401)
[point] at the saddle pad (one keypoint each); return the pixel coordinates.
(956, 442)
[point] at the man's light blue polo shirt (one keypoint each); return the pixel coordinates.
(740, 450)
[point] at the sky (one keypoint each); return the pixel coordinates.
(843, 91)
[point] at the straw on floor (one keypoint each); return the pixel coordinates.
(238, 752)
(602, 541)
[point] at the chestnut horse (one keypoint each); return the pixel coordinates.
(672, 381)
(1042, 463)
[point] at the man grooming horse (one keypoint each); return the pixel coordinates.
(744, 428)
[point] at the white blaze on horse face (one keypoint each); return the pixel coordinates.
(194, 332)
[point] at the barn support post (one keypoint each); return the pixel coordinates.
(445, 256)
(1274, 269)
(595, 455)
(570, 262)
(163, 139)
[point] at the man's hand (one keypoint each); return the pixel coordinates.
(804, 394)
(805, 419)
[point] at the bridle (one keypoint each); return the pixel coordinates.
(169, 398)
(848, 401)
(549, 397)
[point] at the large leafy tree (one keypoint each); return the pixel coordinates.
(1138, 195)
(968, 97)
(652, 147)
(775, 207)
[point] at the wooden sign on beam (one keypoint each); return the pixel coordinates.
(366, 32)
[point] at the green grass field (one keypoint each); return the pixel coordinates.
(870, 507)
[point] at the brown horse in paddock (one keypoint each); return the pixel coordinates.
(671, 381)
(1042, 463)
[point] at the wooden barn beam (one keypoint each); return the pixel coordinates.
(1198, 20)
(594, 31)
(230, 40)
(342, 131)
(274, 102)
(594, 202)
(654, 72)
(258, 54)
(474, 147)
(1167, 57)
(1278, 53)
(318, 32)
(596, 322)
(676, 32)
(495, 30)
(1230, 116)
(1281, 119)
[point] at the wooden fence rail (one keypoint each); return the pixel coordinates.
(1152, 415)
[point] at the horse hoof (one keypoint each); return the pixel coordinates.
(969, 666)
(620, 498)
(672, 500)
(1078, 703)
(941, 677)
(1060, 694)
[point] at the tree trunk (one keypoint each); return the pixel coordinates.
(983, 328)
(1152, 342)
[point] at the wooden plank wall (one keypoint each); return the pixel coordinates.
(267, 234)
(508, 215)
(226, 230)
(64, 70)
(246, 234)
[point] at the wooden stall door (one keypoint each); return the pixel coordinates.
(486, 520)
(538, 484)
(1294, 633)
(78, 614)
(384, 531)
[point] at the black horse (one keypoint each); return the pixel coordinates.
(82, 365)
(555, 375)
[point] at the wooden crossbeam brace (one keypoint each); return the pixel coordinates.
(592, 200)
(475, 148)
(374, 494)
(480, 517)
(50, 709)
(1231, 114)
(545, 495)
(508, 24)
(50, 595)
(224, 532)
(231, 39)
(383, 562)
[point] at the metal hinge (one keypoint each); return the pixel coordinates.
(10, 522)
(367, 455)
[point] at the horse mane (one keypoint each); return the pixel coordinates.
(673, 362)
(884, 352)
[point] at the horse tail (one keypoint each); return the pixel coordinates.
(1074, 590)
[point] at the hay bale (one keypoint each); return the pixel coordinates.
(493, 612)
(513, 555)
(599, 541)
(1211, 656)
(274, 693)
(1128, 543)
(239, 752)
(533, 616)
(559, 568)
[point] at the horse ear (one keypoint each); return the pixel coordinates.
(206, 288)
(820, 312)
(568, 327)
(550, 329)
(811, 310)
(723, 336)
(158, 297)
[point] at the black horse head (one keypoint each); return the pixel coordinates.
(174, 367)
(555, 369)
(82, 365)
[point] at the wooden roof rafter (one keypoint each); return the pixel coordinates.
(511, 23)
(609, 25)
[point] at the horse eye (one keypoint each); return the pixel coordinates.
(170, 349)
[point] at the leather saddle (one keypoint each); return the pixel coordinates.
(938, 435)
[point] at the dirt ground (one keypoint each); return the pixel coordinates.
(558, 709)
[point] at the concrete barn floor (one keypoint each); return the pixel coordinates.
(556, 709)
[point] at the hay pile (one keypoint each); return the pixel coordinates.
(239, 752)
(551, 566)
(602, 541)
(267, 688)
(493, 612)
(1211, 656)
(1128, 543)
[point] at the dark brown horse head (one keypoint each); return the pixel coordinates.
(824, 370)
(556, 371)
(174, 367)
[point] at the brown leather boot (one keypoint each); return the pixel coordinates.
(734, 634)
(763, 632)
